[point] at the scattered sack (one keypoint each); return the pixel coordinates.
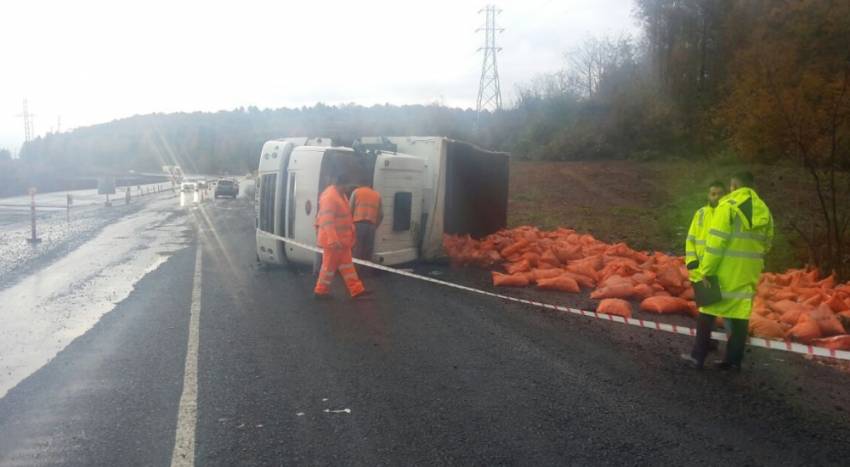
(509, 280)
(522, 266)
(615, 306)
(670, 277)
(790, 311)
(514, 248)
(563, 283)
(805, 330)
(665, 305)
(546, 273)
(767, 328)
(582, 280)
(797, 304)
(617, 290)
(827, 322)
(643, 291)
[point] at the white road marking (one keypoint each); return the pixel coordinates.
(338, 411)
(187, 415)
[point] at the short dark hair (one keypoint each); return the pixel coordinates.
(717, 184)
(745, 177)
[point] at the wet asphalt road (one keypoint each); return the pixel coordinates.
(430, 376)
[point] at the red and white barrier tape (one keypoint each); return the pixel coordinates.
(772, 344)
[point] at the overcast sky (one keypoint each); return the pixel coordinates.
(92, 61)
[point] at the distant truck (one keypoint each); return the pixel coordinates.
(430, 186)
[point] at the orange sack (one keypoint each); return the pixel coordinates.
(827, 322)
(688, 294)
(618, 290)
(790, 311)
(664, 305)
(563, 283)
(546, 273)
(582, 280)
(509, 280)
(615, 306)
(569, 253)
(837, 304)
(841, 342)
(669, 277)
(805, 331)
(548, 257)
(515, 248)
(767, 328)
(643, 291)
(522, 266)
(646, 277)
(584, 269)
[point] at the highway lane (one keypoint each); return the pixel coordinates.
(420, 375)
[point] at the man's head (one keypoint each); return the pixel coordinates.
(716, 190)
(344, 183)
(742, 179)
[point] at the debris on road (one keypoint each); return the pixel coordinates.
(797, 305)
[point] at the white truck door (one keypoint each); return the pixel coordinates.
(274, 158)
(303, 200)
(400, 181)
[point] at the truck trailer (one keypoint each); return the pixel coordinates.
(429, 186)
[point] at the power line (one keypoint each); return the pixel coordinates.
(489, 90)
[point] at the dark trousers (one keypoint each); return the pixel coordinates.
(734, 347)
(364, 245)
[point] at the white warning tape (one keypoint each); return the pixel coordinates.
(772, 344)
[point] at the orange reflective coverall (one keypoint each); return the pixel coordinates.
(336, 237)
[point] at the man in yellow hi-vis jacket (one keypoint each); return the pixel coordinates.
(697, 233)
(739, 237)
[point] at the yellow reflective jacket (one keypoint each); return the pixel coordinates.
(695, 242)
(740, 235)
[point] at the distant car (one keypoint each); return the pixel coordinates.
(226, 188)
(188, 187)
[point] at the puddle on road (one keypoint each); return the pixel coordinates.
(47, 310)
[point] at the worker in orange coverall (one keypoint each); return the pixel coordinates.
(336, 238)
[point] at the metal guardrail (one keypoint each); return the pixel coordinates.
(34, 207)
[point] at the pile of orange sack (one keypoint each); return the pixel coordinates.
(795, 305)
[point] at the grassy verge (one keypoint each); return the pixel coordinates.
(649, 205)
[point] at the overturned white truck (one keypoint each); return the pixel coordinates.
(429, 186)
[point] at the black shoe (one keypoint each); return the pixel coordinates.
(726, 366)
(690, 361)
